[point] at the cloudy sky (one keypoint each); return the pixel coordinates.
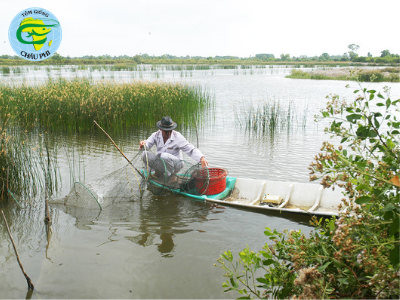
(216, 27)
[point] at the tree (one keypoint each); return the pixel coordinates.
(285, 57)
(385, 53)
(353, 47)
(263, 56)
(345, 57)
(352, 53)
(138, 59)
(324, 56)
(57, 57)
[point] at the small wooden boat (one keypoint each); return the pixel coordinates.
(305, 198)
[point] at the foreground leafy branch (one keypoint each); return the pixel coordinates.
(355, 255)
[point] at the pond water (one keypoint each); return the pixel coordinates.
(164, 246)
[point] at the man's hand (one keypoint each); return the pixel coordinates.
(142, 144)
(204, 162)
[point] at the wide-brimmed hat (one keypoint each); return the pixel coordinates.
(166, 123)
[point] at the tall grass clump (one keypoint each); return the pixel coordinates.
(5, 70)
(74, 104)
(26, 166)
(271, 116)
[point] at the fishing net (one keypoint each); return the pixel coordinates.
(147, 172)
(124, 184)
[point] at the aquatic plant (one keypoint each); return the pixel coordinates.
(270, 116)
(27, 167)
(5, 70)
(18, 70)
(74, 104)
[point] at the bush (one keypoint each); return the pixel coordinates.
(357, 254)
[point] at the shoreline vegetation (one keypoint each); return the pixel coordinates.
(362, 75)
(347, 59)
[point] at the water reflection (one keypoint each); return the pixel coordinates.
(151, 221)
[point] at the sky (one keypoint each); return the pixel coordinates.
(216, 27)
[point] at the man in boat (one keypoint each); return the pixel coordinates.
(170, 144)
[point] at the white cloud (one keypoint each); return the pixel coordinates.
(209, 28)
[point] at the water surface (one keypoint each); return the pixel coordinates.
(163, 246)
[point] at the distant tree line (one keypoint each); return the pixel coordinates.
(348, 57)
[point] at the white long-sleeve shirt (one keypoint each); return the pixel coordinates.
(174, 145)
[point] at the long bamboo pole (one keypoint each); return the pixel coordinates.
(197, 133)
(28, 280)
(47, 219)
(118, 149)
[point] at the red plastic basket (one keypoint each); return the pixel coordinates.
(210, 181)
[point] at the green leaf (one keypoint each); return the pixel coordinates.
(263, 280)
(388, 103)
(353, 117)
(234, 284)
(396, 124)
(394, 227)
(268, 262)
(227, 256)
(268, 232)
(376, 122)
(363, 199)
(322, 268)
(331, 225)
(394, 255)
(266, 254)
(343, 281)
(364, 132)
(285, 291)
(324, 250)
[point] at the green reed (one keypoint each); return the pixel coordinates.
(26, 166)
(74, 104)
(5, 70)
(271, 116)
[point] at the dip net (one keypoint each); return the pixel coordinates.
(146, 172)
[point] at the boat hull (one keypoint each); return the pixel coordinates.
(302, 198)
